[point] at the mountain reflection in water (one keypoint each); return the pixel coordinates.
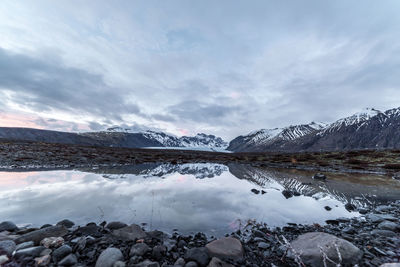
(211, 198)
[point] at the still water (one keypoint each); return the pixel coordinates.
(210, 198)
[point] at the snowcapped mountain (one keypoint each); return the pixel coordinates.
(273, 138)
(367, 129)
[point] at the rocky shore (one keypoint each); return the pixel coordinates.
(370, 240)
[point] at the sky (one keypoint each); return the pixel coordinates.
(220, 67)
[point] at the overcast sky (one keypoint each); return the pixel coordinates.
(220, 67)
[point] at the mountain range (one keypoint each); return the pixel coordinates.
(367, 129)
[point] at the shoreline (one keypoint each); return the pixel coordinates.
(374, 238)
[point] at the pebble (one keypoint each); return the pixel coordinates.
(69, 260)
(61, 253)
(108, 257)
(7, 246)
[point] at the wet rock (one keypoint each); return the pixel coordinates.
(179, 262)
(319, 176)
(147, 263)
(327, 208)
(349, 230)
(7, 247)
(181, 243)
(263, 192)
(287, 194)
(52, 242)
(29, 252)
(159, 251)
(61, 253)
(89, 230)
(139, 249)
(39, 235)
(390, 265)
(24, 245)
(199, 255)
(263, 245)
(363, 211)
(350, 207)
(8, 226)
(379, 232)
(226, 248)
(215, 262)
(159, 235)
(3, 259)
(377, 218)
(108, 257)
(310, 243)
(383, 208)
(119, 264)
(191, 264)
(116, 225)
(69, 260)
(388, 225)
(43, 260)
(131, 232)
(45, 226)
(255, 191)
(66, 223)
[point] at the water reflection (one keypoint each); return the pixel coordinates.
(212, 198)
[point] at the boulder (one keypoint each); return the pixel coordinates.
(39, 235)
(43, 260)
(215, 262)
(147, 263)
(394, 264)
(379, 232)
(66, 223)
(52, 242)
(108, 257)
(309, 246)
(226, 248)
(199, 255)
(8, 226)
(319, 176)
(3, 259)
(29, 252)
(61, 253)
(24, 245)
(191, 264)
(388, 225)
(139, 249)
(7, 247)
(69, 260)
(132, 232)
(116, 225)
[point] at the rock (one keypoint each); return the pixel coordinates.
(45, 226)
(61, 253)
(350, 207)
(68, 260)
(319, 176)
(108, 257)
(181, 243)
(380, 232)
(119, 264)
(131, 232)
(384, 208)
(147, 263)
(66, 223)
(39, 235)
(52, 242)
(377, 218)
(179, 262)
(89, 230)
(191, 264)
(24, 245)
(43, 260)
(160, 236)
(226, 248)
(7, 247)
(363, 211)
(8, 226)
(199, 255)
(116, 225)
(255, 191)
(309, 245)
(287, 194)
(327, 208)
(388, 225)
(139, 249)
(158, 252)
(3, 259)
(45, 252)
(263, 245)
(349, 230)
(390, 265)
(215, 262)
(29, 252)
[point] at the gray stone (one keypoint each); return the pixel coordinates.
(263, 245)
(215, 262)
(43, 260)
(394, 264)
(131, 232)
(119, 264)
(8, 226)
(199, 255)
(309, 245)
(66, 223)
(39, 235)
(52, 242)
(7, 247)
(116, 225)
(380, 232)
(24, 245)
(319, 176)
(3, 259)
(29, 252)
(179, 262)
(139, 249)
(147, 263)
(68, 260)
(384, 208)
(388, 225)
(61, 252)
(377, 218)
(108, 257)
(158, 252)
(226, 248)
(191, 264)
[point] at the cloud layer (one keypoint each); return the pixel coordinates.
(220, 67)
